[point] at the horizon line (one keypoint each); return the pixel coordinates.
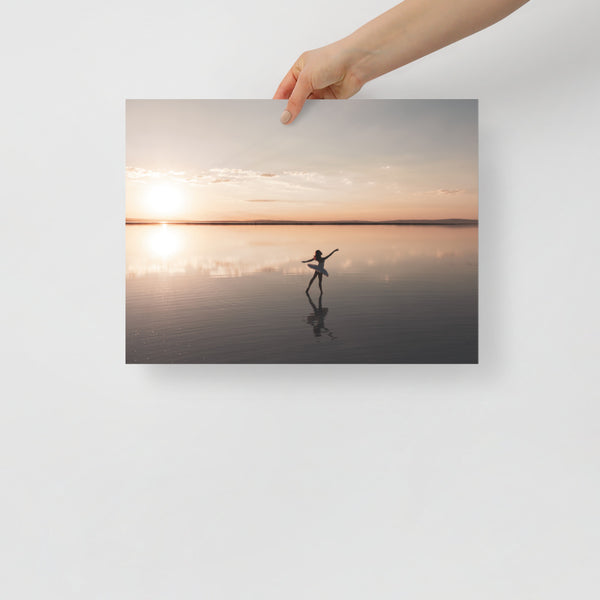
(451, 221)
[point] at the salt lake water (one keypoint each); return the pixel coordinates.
(236, 294)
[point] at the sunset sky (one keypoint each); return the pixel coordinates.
(341, 159)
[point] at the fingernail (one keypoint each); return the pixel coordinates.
(286, 115)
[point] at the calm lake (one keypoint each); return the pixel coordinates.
(236, 294)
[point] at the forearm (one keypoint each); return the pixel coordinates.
(414, 29)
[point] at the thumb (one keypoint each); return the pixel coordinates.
(300, 93)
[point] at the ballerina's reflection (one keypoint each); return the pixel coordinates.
(319, 267)
(317, 319)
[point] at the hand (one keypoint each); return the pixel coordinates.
(321, 73)
(406, 32)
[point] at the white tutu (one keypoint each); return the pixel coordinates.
(319, 269)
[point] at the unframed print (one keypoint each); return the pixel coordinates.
(231, 215)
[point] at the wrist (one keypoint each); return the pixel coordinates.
(358, 58)
(383, 44)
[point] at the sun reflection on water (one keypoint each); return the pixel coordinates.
(164, 242)
(222, 251)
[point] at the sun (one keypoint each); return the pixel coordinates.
(164, 200)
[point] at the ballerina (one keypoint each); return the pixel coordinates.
(319, 268)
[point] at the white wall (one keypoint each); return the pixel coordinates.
(421, 482)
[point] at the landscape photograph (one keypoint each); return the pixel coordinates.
(350, 236)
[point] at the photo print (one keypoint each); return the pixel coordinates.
(350, 236)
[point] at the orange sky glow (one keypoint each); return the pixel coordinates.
(212, 160)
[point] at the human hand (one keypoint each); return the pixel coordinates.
(406, 32)
(321, 73)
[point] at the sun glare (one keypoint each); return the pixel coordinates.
(164, 241)
(164, 200)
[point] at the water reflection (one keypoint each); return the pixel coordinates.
(235, 251)
(163, 242)
(317, 318)
(215, 294)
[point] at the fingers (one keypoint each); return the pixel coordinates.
(286, 86)
(302, 90)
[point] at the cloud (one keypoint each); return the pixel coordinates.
(444, 191)
(277, 183)
(307, 176)
(136, 173)
(273, 200)
(143, 175)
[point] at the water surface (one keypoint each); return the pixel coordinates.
(235, 294)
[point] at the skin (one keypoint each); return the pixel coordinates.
(399, 36)
(321, 262)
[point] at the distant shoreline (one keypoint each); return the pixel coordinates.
(275, 222)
